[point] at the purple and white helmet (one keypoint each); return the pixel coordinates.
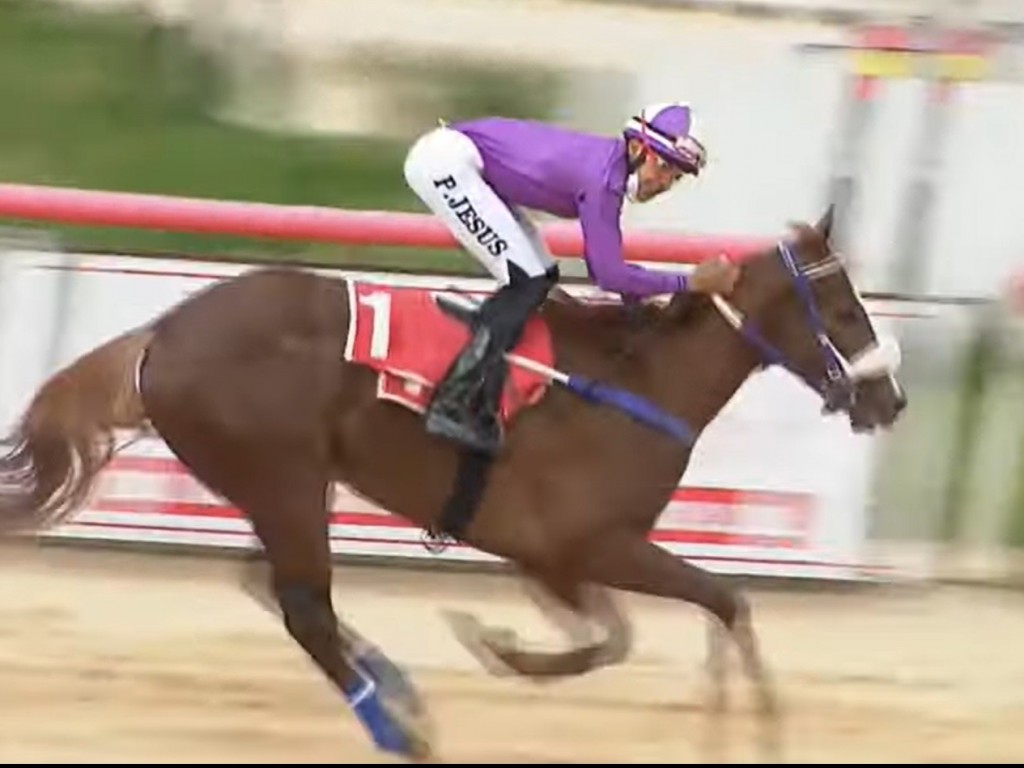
(668, 129)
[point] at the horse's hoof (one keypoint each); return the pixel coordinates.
(479, 641)
(392, 726)
(418, 733)
(415, 723)
(390, 707)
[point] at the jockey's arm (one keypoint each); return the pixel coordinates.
(599, 212)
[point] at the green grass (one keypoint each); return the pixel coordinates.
(107, 101)
(958, 452)
(1015, 528)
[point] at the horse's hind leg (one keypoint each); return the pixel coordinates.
(256, 580)
(631, 562)
(284, 494)
(578, 608)
(250, 428)
(290, 518)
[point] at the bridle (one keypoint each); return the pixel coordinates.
(838, 387)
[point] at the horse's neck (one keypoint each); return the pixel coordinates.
(690, 367)
(697, 366)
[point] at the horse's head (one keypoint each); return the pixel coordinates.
(800, 310)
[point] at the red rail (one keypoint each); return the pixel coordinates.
(310, 223)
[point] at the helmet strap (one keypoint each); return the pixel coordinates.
(634, 162)
(632, 186)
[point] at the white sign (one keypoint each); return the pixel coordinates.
(773, 488)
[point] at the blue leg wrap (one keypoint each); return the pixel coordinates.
(365, 700)
(391, 681)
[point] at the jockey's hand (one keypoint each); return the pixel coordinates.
(717, 275)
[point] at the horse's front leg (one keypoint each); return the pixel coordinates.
(598, 632)
(631, 562)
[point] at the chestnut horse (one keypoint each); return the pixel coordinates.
(247, 385)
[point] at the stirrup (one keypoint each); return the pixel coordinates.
(464, 311)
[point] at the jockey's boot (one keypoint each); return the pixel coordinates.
(465, 405)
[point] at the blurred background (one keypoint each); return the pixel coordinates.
(803, 102)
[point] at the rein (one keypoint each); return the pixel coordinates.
(837, 389)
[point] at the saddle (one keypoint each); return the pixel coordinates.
(410, 336)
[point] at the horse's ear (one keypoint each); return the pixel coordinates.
(824, 226)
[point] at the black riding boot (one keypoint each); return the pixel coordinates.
(465, 405)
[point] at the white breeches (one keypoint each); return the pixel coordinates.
(444, 168)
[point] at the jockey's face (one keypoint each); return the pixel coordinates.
(654, 174)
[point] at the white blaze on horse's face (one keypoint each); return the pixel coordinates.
(877, 360)
(880, 359)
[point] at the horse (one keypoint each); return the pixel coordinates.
(249, 385)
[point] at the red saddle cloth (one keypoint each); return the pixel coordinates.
(404, 335)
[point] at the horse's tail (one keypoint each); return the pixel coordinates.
(67, 434)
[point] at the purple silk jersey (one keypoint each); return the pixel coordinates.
(572, 175)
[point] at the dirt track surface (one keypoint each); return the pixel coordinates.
(116, 657)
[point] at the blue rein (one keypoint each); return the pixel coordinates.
(837, 383)
(636, 406)
(836, 386)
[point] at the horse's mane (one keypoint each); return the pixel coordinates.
(684, 306)
(623, 327)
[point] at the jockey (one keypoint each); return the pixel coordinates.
(479, 176)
